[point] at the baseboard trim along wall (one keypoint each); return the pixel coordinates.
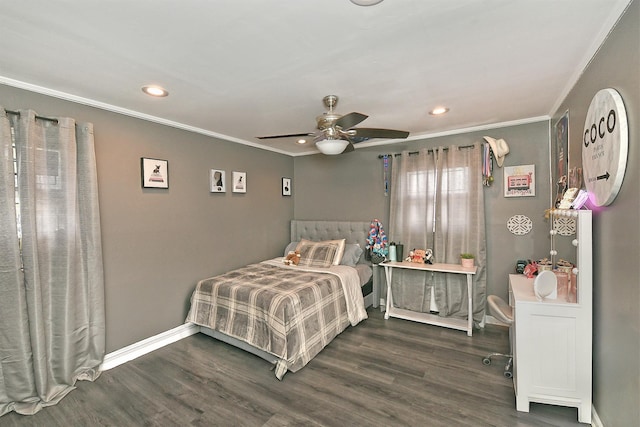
(148, 345)
(595, 419)
(155, 342)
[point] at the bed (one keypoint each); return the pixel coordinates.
(287, 314)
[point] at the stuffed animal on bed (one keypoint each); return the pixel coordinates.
(292, 258)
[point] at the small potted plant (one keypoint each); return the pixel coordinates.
(467, 259)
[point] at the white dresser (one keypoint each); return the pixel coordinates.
(552, 339)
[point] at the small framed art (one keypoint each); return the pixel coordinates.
(155, 173)
(217, 181)
(520, 181)
(286, 186)
(239, 182)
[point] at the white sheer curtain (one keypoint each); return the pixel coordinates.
(52, 303)
(437, 202)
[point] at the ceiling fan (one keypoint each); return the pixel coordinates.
(336, 134)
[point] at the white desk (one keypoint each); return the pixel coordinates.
(432, 319)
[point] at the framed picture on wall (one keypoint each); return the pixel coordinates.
(286, 186)
(560, 154)
(217, 181)
(239, 182)
(520, 181)
(155, 173)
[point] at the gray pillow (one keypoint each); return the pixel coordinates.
(352, 253)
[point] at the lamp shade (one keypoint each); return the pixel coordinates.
(366, 2)
(331, 147)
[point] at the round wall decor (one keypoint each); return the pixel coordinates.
(605, 142)
(564, 226)
(519, 225)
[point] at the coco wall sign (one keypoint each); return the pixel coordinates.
(605, 142)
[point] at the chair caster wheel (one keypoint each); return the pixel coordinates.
(486, 361)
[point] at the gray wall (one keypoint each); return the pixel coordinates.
(616, 297)
(351, 186)
(158, 243)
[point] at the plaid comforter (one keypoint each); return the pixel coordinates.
(291, 312)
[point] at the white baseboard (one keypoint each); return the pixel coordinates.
(148, 345)
(595, 419)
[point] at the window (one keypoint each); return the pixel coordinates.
(421, 195)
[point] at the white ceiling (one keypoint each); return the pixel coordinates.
(241, 69)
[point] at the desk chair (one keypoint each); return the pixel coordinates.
(504, 313)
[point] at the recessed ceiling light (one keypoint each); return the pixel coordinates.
(366, 2)
(438, 111)
(155, 91)
(301, 141)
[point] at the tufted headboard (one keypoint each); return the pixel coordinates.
(353, 232)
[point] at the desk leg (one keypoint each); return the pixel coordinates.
(389, 299)
(470, 302)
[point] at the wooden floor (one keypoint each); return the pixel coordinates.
(380, 373)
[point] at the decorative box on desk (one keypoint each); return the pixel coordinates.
(551, 338)
(432, 319)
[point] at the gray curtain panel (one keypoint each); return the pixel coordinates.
(437, 202)
(52, 325)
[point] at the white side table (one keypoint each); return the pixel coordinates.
(432, 319)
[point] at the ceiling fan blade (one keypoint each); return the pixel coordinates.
(349, 148)
(363, 134)
(350, 120)
(285, 136)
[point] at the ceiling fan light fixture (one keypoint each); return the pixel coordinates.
(332, 147)
(366, 2)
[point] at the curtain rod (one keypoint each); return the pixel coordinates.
(48, 119)
(380, 156)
